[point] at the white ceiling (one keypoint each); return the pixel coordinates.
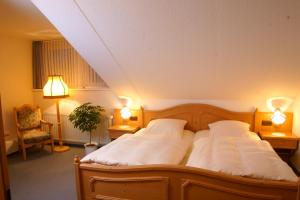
(186, 49)
(21, 18)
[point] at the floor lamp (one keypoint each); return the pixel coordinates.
(56, 88)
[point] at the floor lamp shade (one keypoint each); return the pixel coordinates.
(56, 88)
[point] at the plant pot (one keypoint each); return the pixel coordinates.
(90, 147)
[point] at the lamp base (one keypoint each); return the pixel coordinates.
(61, 149)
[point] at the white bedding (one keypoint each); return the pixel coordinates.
(244, 156)
(143, 148)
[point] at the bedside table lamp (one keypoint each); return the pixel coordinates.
(56, 88)
(125, 113)
(278, 117)
(278, 105)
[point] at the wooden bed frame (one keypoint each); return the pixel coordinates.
(162, 182)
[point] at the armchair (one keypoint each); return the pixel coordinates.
(31, 129)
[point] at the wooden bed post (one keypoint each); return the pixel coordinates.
(298, 192)
(77, 177)
(143, 120)
(254, 128)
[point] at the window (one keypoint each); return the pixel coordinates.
(58, 57)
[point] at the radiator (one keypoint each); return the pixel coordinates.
(73, 135)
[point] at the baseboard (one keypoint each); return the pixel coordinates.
(75, 143)
(70, 143)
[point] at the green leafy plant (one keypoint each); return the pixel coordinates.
(87, 117)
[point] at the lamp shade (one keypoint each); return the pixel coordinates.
(55, 87)
(281, 103)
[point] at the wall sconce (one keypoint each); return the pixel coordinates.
(278, 105)
(278, 117)
(125, 113)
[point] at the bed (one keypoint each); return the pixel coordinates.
(96, 181)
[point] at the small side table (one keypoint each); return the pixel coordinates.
(284, 143)
(118, 130)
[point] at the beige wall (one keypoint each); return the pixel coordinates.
(296, 108)
(15, 77)
(102, 97)
(296, 130)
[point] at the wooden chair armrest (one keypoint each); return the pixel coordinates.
(50, 126)
(47, 123)
(18, 125)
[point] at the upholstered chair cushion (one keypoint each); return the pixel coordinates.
(29, 118)
(35, 135)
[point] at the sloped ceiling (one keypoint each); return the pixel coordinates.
(186, 49)
(22, 19)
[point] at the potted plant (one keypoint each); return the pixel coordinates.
(86, 118)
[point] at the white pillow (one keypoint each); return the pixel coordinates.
(170, 127)
(229, 128)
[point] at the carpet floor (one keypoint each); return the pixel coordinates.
(44, 176)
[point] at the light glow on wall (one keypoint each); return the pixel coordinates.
(281, 103)
(278, 134)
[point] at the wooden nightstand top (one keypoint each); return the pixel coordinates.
(124, 128)
(267, 135)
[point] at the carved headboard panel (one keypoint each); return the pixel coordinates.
(198, 116)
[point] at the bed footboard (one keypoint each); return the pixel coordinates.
(163, 182)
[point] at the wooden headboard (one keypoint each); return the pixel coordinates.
(198, 116)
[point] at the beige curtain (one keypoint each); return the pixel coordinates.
(58, 57)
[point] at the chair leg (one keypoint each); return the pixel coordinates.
(24, 154)
(20, 149)
(52, 146)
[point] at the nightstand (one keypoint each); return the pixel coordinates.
(118, 130)
(285, 143)
(280, 140)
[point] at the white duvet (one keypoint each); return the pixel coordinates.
(243, 156)
(143, 148)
